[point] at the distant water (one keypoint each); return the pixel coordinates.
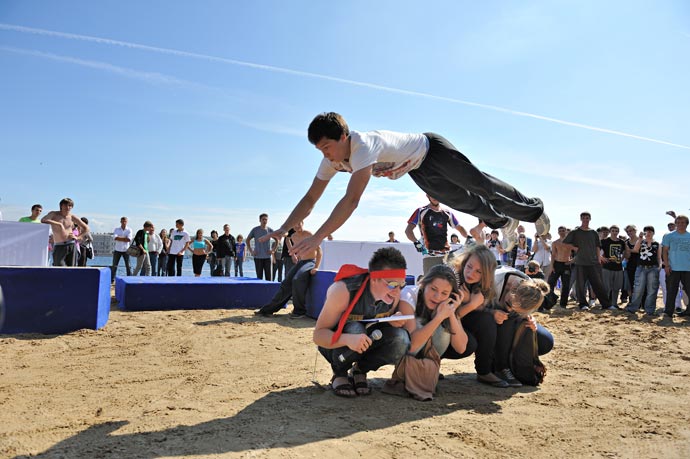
(248, 266)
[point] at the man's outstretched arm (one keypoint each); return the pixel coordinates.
(342, 211)
(301, 210)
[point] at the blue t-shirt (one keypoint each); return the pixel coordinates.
(678, 250)
(239, 249)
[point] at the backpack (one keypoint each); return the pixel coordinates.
(524, 357)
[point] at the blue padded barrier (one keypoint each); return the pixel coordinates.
(317, 292)
(52, 300)
(167, 293)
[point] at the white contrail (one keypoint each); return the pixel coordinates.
(149, 77)
(319, 76)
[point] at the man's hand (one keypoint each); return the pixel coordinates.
(277, 234)
(358, 343)
(305, 246)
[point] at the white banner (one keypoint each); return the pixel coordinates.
(23, 244)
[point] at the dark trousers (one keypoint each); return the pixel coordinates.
(116, 261)
(263, 268)
(295, 286)
(447, 175)
(65, 254)
(504, 342)
(560, 270)
(393, 345)
(591, 273)
(175, 260)
(482, 326)
(672, 285)
(278, 270)
(198, 263)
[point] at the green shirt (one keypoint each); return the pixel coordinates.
(28, 220)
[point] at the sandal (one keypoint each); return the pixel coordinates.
(344, 389)
(359, 381)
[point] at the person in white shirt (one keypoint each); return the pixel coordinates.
(432, 162)
(123, 236)
(180, 241)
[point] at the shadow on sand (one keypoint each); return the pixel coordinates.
(281, 419)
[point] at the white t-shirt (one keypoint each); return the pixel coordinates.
(178, 239)
(393, 154)
(541, 255)
(121, 246)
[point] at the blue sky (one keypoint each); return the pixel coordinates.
(198, 110)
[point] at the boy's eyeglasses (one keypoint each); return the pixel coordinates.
(392, 285)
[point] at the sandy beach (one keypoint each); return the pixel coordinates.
(223, 383)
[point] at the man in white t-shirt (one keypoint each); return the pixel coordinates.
(123, 236)
(179, 242)
(432, 162)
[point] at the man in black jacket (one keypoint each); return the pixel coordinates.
(226, 250)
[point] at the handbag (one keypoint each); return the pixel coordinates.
(416, 377)
(134, 250)
(89, 252)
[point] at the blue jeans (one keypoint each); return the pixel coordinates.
(116, 261)
(239, 262)
(153, 258)
(295, 286)
(162, 264)
(226, 263)
(646, 278)
(388, 350)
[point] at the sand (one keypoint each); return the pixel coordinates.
(223, 383)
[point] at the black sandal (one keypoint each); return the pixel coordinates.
(358, 380)
(343, 390)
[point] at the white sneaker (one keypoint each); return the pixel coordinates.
(509, 235)
(543, 224)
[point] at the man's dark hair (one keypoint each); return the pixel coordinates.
(648, 228)
(585, 213)
(67, 201)
(387, 258)
(85, 220)
(262, 216)
(36, 206)
(148, 224)
(179, 221)
(330, 125)
(602, 229)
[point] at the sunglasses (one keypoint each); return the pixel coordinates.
(392, 285)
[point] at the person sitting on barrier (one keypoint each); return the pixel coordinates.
(62, 222)
(345, 341)
(296, 282)
(517, 297)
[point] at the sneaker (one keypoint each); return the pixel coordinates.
(261, 312)
(492, 380)
(543, 224)
(610, 308)
(584, 307)
(679, 310)
(509, 236)
(592, 303)
(297, 315)
(508, 377)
